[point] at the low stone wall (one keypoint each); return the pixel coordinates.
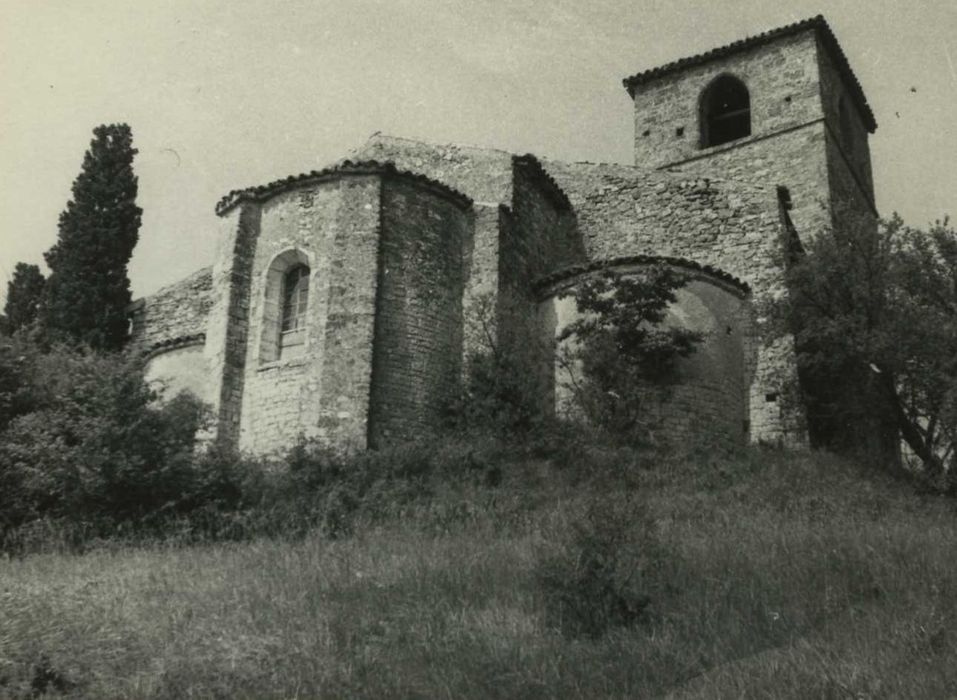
(173, 316)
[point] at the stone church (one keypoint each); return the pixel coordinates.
(343, 303)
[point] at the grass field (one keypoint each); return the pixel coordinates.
(767, 575)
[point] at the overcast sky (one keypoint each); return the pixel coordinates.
(223, 94)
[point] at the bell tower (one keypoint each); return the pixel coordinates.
(781, 109)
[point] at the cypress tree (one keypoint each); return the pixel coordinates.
(88, 289)
(24, 292)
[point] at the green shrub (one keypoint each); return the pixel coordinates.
(17, 357)
(323, 489)
(91, 446)
(622, 348)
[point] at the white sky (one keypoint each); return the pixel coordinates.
(229, 93)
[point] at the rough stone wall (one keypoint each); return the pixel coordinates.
(849, 174)
(545, 237)
(485, 175)
(782, 79)
(849, 136)
(734, 227)
(480, 268)
(795, 159)
(228, 324)
(622, 211)
(796, 142)
(850, 204)
(787, 142)
(418, 346)
(709, 404)
(178, 311)
(323, 392)
(539, 237)
(349, 332)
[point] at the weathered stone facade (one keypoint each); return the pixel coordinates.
(415, 254)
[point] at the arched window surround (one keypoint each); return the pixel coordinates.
(724, 111)
(285, 333)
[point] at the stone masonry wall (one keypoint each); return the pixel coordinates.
(417, 353)
(541, 236)
(851, 136)
(276, 404)
(848, 156)
(736, 228)
(228, 325)
(788, 133)
(175, 313)
(546, 236)
(480, 269)
(782, 79)
(484, 175)
(709, 405)
(796, 159)
(322, 392)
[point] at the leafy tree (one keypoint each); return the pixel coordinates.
(85, 441)
(24, 293)
(502, 391)
(623, 346)
(16, 367)
(88, 289)
(874, 312)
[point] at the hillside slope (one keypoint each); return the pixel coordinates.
(761, 575)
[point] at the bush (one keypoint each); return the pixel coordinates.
(623, 349)
(499, 397)
(87, 443)
(335, 492)
(600, 573)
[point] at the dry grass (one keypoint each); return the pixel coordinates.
(782, 576)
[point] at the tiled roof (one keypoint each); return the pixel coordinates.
(818, 24)
(181, 341)
(547, 281)
(346, 167)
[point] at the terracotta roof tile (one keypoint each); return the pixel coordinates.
(543, 283)
(261, 193)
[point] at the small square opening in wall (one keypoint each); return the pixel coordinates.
(771, 397)
(787, 99)
(680, 131)
(646, 132)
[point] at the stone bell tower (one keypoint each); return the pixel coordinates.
(782, 109)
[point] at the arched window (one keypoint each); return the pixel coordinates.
(725, 111)
(284, 326)
(295, 298)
